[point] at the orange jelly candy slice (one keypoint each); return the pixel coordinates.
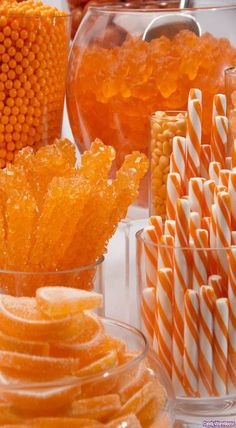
(8, 343)
(132, 381)
(57, 302)
(7, 415)
(100, 408)
(139, 400)
(127, 421)
(102, 364)
(63, 423)
(20, 318)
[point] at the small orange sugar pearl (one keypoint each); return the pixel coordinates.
(32, 75)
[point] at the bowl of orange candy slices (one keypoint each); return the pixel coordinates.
(57, 216)
(62, 365)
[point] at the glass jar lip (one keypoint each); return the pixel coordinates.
(56, 272)
(203, 400)
(139, 237)
(111, 7)
(170, 115)
(73, 380)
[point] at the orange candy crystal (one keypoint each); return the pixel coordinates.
(53, 391)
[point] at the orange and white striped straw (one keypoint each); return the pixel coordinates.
(205, 160)
(208, 192)
(232, 322)
(165, 323)
(232, 194)
(151, 252)
(224, 178)
(181, 282)
(173, 193)
(169, 228)
(234, 154)
(220, 346)
(223, 235)
(219, 139)
(196, 197)
(148, 300)
(207, 302)
(165, 253)
(215, 281)
(200, 259)
(191, 342)
(193, 138)
(195, 223)
(156, 221)
(214, 171)
(178, 163)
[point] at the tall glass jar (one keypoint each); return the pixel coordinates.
(117, 79)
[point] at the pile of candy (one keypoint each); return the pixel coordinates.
(34, 41)
(53, 356)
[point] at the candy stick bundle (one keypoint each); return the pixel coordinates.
(188, 307)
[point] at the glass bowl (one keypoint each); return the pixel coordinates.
(20, 284)
(191, 327)
(117, 80)
(34, 58)
(97, 396)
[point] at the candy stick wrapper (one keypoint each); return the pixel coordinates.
(232, 322)
(150, 247)
(148, 301)
(220, 346)
(193, 138)
(200, 259)
(165, 327)
(191, 342)
(207, 301)
(181, 281)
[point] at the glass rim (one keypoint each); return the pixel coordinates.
(139, 237)
(140, 7)
(105, 374)
(168, 115)
(203, 400)
(90, 266)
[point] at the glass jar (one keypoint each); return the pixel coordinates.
(186, 307)
(20, 284)
(34, 58)
(137, 392)
(164, 127)
(117, 79)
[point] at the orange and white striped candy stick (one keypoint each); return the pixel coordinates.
(165, 322)
(200, 259)
(213, 226)
(207, 302)
(219, 139)
(151, 251)
(181, 283)
(232, 194)
(224, 178)
(148, 300)
(193, 138)
(206, 224)
(219, 189)
(220, 346)
(223, 237)
(232, 322)
(219, 106)
(173, 193)
(156, 221)
(228, 162)
(165, 253)
(196, 197)
(233, 237)
(208, 191)
(214, 171)
(178, 163)
(195, 94)
(169, 228)
(234, 154)
(191, 342)
(205, 160)
(194, 223)
(215, 281)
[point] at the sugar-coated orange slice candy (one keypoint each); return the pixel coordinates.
(139, 400)
(63, 423)
(20, 318)
(100, 408)
(7, 415)
(42, 400)
(127, 421)
(155, 406)
(163, 421)
(58, 302)
(101, 364)
(112, 343)
(9, 343)
(40, 367)
(132, 380)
